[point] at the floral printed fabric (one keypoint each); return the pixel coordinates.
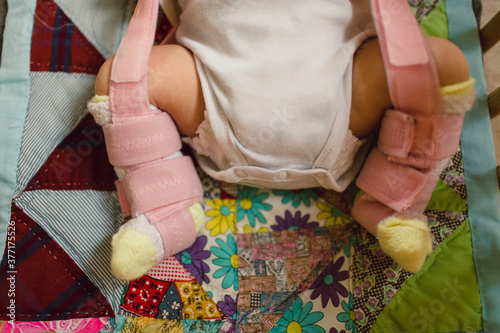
(86, 325)
(279, 261)
(265, 261)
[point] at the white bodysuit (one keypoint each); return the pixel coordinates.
(276, 77)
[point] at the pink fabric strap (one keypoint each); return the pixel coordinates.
(369, 212)
(128, 86)
(144, 140)
(418, 139)
(171, 181)
(410, 67)
(394, 184)
(176, 236)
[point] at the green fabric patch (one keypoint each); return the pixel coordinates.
(445, 199)
(436, 24)
(442, 297)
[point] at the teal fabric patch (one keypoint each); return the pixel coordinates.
(480, 165)
(15, 83)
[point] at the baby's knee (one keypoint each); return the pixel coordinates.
(103, 77)
(450, 61)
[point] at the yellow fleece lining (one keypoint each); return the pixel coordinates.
(461, 88)
(100, 98)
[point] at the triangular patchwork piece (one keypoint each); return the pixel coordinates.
(444, 198)
(58, 102)
(79, 162)
(436, 24)
(49, 285)
(58, 45)
(442, 297)
(69, 217)
(102, 22)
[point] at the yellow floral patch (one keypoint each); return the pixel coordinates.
(196, 304)
(151, 325)
(248, 230)
(224, 216)
(332, 215)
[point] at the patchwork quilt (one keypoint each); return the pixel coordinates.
(266, 260)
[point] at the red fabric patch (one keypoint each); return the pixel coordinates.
(80, 162)
(144, 295)
(45, 282)
(57, 45)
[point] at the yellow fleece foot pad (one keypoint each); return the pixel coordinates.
(198, 216)
(407, 241)
(133, 254)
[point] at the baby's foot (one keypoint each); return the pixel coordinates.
(138, 246)
(407, 240)
(150, 236)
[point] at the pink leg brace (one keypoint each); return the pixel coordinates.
(415, 138)
(143, 144)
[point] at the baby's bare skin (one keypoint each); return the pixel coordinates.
(174, 85)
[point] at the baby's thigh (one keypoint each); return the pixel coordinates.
(173, 85)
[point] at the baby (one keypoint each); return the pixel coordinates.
(280, 94)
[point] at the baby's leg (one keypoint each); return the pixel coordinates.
(173, 85)
(403, 236)
(370, 93)
(165, 223)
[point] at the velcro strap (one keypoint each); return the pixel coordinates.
(128, 82)
(162, 183)
(176, 236)
(396, 185)
(410, 67)
(419, 140)
(142, 140)
(396, 133)
(448, 134)
(402, 133)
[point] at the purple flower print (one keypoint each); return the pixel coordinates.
(293, 222)
(229, 308)
(192, 258)
(372, 301)
(359, 315)
(357, 291)
(390, 273)
(327, 284)
(449, 179)
(334, 330)
(367, 285)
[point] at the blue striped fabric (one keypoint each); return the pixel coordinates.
(14, 94)
(103, 22)
(82, 223)
(57, 104)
